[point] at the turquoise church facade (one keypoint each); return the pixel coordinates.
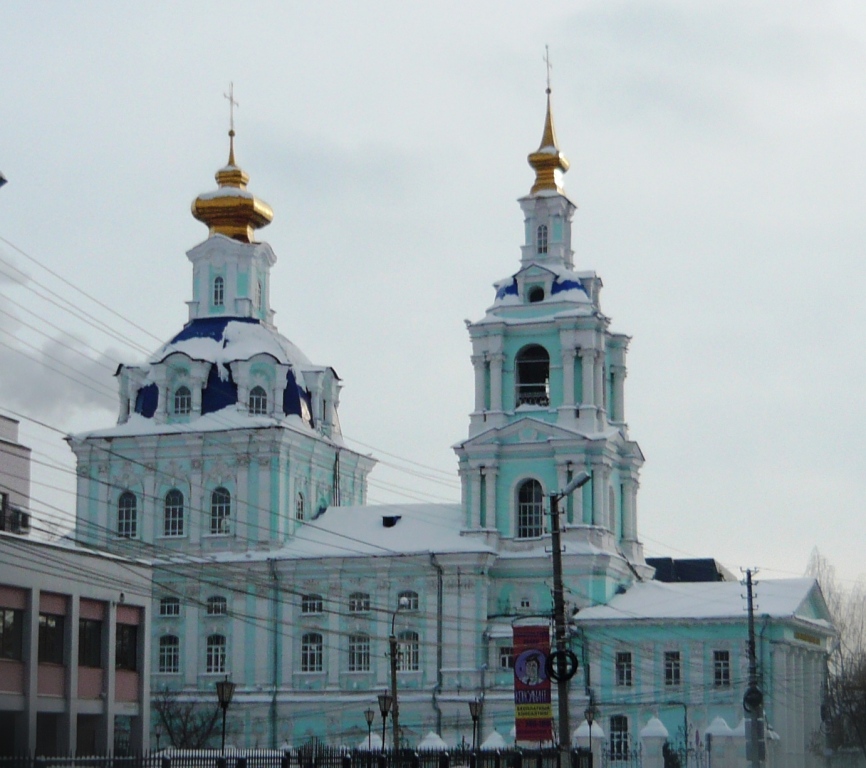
(227, 470)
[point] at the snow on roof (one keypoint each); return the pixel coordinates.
(225, 340)
(362, 531)
(655, 600)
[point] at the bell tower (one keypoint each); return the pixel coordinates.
(549, 395)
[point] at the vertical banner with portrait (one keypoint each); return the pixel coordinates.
(533, 711)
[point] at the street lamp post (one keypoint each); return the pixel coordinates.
(225, 691)
(157, 731)
(395, 715)
(589, 714)
(559, 620)
(369, 714)
(385, 701)
(475, 713)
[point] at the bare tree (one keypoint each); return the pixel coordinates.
(188, 724)
(844, 709)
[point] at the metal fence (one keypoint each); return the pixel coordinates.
(314, 757)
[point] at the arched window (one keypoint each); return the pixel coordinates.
(219, 292)
(182, 401)
(217, 606)
(408, 600)
(535, 294)
(311, 652)
(299, 506)
(359, 653)
(619, 737)
(312, 604)
(541, 239)
(407, 653)
(532, 376)
(359, 602)
(530, 501)
(127, 516)
(258, 401)
(173, 518)
(220, 512)
(215, 656)
(169, 654)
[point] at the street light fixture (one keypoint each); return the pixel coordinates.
(369, 714)
(475, 714)
(385, 701)
(395, 716)
(559, 618)
(157, 731)
(589, 714)
(225, 691)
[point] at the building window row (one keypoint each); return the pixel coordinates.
(624, 669)
(174, 514)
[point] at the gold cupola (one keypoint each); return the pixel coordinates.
(549, 163)
(232, 210)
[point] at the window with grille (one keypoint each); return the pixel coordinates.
(721, 669)
(506, 657)
(258, 401)
(219, 287)
(530, 503)
(619, 747)
(299, 506)
(408, 600)
(359, 602)
(127, 516)
(182, 401)
(173, 514)
(541, 239)
(169, 654)
(11, 633)
(532, 376)
(215, 654)
(312, 604)
(89, 643)
(126, 647)
(624, 670)
(359, 653)
(673, 670)
(217, 606)
(407, 651)
(311, 652)
(220, 512)
(169, 606)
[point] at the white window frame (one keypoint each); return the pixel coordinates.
(182, 405)
(530, 511)
(173, 514)
(312, 657)
(169, 607)
(359, 653)
(312, 605)
(258, 401)
(359, 602)
(219, 291)
(721, 668)
(169, 655)
(624, 665)
(127, 516)
(215, 654)
(220, 511)
(217, 605)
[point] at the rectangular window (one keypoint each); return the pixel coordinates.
(619, 737)
(169, 654)
(359, 602)
(169, 606)
(359, 653)
(50, 639)
(311, 604)
(721, 669)
(89, 643)
(126, 647)
(623, 668)
(673, 670)
(506, 657)
(311, 653)
(11, 633)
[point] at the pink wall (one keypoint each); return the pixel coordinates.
(126, 685)
(89, 683)
(50, 603)
(128, 614)
(91, 609)
(10, 597)
(52, 680)
(11, 676)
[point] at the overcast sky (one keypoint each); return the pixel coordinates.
(717, 161)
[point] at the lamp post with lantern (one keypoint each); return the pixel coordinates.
(225, 690)
(385, 701)
(369, 715)
(475, 714)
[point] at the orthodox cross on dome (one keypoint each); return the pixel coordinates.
(548, 64)
(232, 104)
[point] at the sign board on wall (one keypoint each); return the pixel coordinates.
(532, 701)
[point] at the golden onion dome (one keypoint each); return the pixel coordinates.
(549, 163)
(232, 210)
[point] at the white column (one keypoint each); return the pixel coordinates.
(599, 494)
(479, 364)
(618, 409)
(587, 404)
(490, 511)
(475, 485)
(568, 354)
(496, 381)
(599, 379)
(629, 517)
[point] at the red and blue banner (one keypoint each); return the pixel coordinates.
(533, 711)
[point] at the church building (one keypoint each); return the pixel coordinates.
(227, 469)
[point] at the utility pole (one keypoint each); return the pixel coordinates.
(753, 698)
(560, 626)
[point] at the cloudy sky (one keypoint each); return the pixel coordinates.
(718, 164)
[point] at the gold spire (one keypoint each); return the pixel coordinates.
(547, 160)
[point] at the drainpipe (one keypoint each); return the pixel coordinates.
(438, 689)
(274, 649)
